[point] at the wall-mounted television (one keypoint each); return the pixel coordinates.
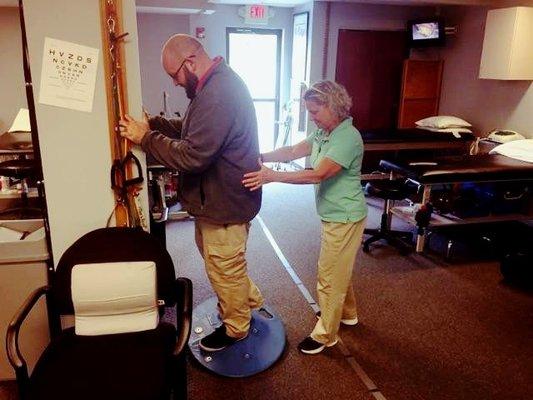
(426, 32)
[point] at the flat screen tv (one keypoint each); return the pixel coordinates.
(426, 32)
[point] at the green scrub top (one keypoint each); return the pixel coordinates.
(339, 198)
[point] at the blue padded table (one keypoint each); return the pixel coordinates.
(263, 346)
(456, 170)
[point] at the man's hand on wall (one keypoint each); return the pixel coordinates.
(132, 129)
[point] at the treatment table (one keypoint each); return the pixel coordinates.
(458, 170)
(408, 143)
(414, 139)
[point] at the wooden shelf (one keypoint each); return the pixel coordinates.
(420, 94)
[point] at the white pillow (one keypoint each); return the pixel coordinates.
(456, 132)
(114, 298)
(445, 130)
(442, 121)
(518, 149)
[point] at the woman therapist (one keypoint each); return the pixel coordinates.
(336, 151)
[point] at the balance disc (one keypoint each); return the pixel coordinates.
(262, 347)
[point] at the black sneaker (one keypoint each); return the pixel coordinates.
(311, 346)
(345, 321)
(217, 340)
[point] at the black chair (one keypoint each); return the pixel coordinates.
(143, 365)
(23, 170)
(390, 191)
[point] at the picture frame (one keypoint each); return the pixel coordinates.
(300, 39)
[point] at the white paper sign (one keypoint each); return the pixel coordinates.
(68, 75)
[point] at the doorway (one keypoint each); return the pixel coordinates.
(255, 54)
(369, 65)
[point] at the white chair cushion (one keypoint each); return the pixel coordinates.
(114, 298)
(443, 121)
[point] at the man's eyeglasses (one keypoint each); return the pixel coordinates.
(174, 76)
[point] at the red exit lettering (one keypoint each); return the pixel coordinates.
(257, 12)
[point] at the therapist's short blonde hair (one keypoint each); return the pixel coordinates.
(332, 95)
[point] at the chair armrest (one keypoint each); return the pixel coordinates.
(183, 313)
(12, 346)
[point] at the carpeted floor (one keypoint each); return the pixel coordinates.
(428, 329)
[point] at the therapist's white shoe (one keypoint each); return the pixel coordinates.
(350, 322)
(311, 346)
(345, 321)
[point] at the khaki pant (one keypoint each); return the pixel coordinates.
(339, 245)
(223, 248)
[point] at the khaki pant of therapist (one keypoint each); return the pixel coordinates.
(339, 245)
(223, 248)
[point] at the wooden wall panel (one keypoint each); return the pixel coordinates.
(369, 65)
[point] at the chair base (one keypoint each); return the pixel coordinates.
(395, 238)
(263, 346)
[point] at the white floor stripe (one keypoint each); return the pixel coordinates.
(363, 376)
(280, 255)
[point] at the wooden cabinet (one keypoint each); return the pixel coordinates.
(420, 93)
(507, 44)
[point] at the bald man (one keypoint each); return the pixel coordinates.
(218, 145)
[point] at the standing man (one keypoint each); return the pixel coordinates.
(218, 145)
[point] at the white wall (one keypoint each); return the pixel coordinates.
(13, 94)
(316, 42)
(486, 103)
(227, 16)
(368, 17)
(75, 145)
(351, 16)
(307, 7)
(154, 30)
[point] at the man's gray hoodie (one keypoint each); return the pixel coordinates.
(218, 146)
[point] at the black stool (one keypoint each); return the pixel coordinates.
(22, 170)
(388, 190)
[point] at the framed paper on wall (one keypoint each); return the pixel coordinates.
(299, 45)
(299, 66)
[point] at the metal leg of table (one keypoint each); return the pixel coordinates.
(421, 235)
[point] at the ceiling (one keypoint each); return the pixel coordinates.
(291, 3)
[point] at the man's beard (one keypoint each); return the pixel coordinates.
(191, 81)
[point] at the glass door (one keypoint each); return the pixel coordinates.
(255, 54)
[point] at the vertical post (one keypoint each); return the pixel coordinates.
(35, 141)
(421, 236)
(116, 104)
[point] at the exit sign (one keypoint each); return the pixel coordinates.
(256, 14)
